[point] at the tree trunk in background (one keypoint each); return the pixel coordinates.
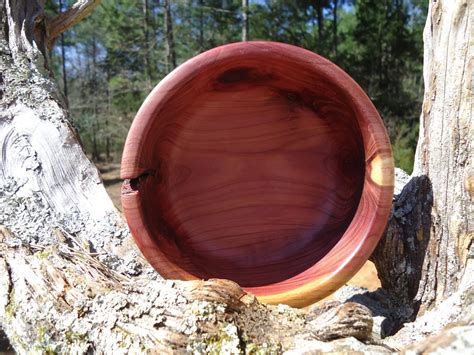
(108, 131)
(94, 95)
(72, 281)
(63, 59)
(146, 33)
(245, 20)
(170, 51)
(201, 26)
(432, 226)
(320, 20)
(335, 5)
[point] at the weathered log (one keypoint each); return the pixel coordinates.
(67, 301)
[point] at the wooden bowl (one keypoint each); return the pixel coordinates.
(262, 163)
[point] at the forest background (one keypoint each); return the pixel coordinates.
(110, 61)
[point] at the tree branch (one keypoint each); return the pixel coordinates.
(67, 19)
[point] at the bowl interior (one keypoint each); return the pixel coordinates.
(256, 170)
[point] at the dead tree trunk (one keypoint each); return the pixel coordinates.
(444, 151)
(432, 228)
(72, 281)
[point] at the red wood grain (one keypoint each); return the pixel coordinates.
(262, 163)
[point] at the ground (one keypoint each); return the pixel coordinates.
(366, 277)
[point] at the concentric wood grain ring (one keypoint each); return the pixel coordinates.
(262, 163)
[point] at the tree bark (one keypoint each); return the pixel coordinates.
(46, 181)
(71, 279)
(444, 152)
(432, 227)
(67, 19)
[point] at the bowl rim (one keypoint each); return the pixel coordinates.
(377, 189)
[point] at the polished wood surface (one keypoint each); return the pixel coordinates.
(262, 163)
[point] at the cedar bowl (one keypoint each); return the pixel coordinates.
(262, 163)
